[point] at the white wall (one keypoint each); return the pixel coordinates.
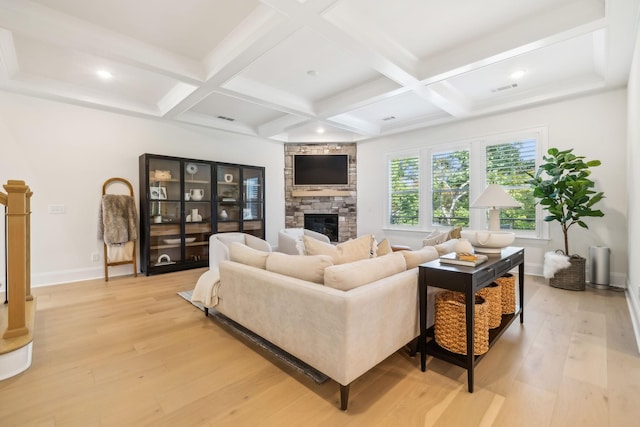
(633, 193)
(594, 125)
(66, 152)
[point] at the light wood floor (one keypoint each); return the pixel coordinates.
(130, 352)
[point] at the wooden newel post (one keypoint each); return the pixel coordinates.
(17, 256)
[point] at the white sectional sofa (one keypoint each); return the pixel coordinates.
(342, 318)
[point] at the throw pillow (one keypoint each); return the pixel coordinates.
(304, 267)
(435, 238)
(455, 233)
(415, 258)
(383, 248)
(446, 247)
(352, 275)
(243, 254)
(349, 251)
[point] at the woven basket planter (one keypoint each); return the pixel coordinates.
(450, 326)
(507, 293)
(572, 277)
(493, 295)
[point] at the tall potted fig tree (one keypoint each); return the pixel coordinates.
(563, 187)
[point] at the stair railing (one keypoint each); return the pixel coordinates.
(18, 219)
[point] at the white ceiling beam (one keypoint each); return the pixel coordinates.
(482, 52)
(254, 37)
(280, 125)
(40, 23)
(9, 67)
(358, 97)
(57, 91)
(446, 97)
(372, 55)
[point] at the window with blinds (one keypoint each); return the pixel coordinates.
(404, 191)
(508, 165)
(453, 173)
(450, 188)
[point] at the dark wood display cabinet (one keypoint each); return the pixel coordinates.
(184, 201)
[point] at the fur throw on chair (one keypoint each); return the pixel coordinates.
(554, 262)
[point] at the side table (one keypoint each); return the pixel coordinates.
(468, 280)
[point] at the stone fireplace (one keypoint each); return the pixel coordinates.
(326, 224)
(337, 202)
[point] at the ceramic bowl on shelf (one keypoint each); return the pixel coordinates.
(177, 241)
(488, 241)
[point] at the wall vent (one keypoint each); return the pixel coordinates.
(386, 119)
(229, 119)
(507, 87)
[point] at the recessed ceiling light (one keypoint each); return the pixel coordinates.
(517, 74)
(104, 74)
(320, 130)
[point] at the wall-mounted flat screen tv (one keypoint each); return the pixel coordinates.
(321, 169)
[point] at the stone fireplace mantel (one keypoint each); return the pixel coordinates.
(312, 200)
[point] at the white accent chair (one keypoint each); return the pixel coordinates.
(219, 245)
(289, 239)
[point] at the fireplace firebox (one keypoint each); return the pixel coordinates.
(326, 224)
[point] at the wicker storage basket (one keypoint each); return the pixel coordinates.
(450, 323)
(507, 293)
(572, 277)
(493, 295)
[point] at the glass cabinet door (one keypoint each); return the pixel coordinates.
(253, 199)
(228, 202)
(165, 237)
(197, 210)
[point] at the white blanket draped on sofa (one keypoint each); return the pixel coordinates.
(206, 290)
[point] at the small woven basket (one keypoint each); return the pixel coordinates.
(493, 295)
(508, 293)
(450, 327)
(572, 277)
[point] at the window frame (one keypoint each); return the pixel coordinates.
(387, 218)
(477, 176)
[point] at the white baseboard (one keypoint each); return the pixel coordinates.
(77, 275)
(634, 311)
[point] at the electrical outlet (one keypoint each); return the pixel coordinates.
(95, 257)
(56, 209)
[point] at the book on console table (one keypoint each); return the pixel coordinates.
(469, 260)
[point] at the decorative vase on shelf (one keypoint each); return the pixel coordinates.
(224, 214)
(196, 194)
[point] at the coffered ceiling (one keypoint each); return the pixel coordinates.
(314, 70)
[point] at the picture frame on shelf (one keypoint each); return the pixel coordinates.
(157, 193)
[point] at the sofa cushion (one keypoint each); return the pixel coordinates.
(304, 267)
(349, 251)
(415, 258)
(239, 252)
(358, 273)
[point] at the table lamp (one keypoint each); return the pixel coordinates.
(494, 197)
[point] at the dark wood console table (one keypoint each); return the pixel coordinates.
(467, 280)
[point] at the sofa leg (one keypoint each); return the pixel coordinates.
(344, 396)
(206, 311)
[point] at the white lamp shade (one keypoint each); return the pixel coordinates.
(494, 196)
